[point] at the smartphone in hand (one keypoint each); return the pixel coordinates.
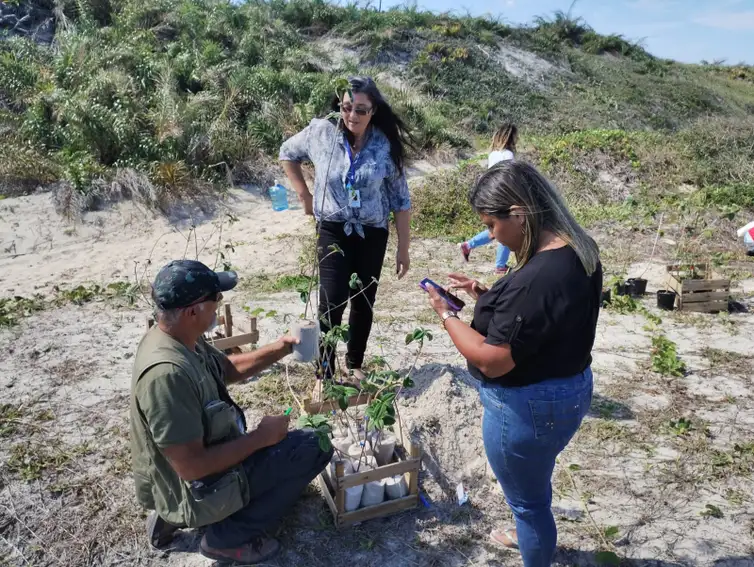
(455, 303)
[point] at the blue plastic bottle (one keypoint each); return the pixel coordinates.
(279, 196)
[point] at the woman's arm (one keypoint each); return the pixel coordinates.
(296, 177)
(403, 228)
(492, 360)
(294, 151)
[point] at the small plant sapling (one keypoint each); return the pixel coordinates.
(321, 427)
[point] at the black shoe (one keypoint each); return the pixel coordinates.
(160, 532)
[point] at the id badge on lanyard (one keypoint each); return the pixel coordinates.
(354, 195)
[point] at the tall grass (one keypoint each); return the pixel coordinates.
(207, 87)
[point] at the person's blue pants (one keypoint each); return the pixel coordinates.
(524, 429)
(484, 237)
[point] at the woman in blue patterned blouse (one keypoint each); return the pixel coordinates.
(359, 180)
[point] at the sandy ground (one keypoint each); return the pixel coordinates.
(631, 481)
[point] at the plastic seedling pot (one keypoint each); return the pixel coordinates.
(353, 497)
(666, 299)
(347, 466)
(343, 444)
(384, 449)
(606, 296)
(374, 493)
(357, 450)
(368, 463)
(396, 487)
(636, 286)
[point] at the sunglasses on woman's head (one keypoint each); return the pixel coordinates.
(360, 110)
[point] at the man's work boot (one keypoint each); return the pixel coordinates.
(160, 532)
(260, 549)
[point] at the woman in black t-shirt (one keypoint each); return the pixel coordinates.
(529, 344)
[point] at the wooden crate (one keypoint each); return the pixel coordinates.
(316, 402)
(226, 340)
(708, 294)
(407, 461)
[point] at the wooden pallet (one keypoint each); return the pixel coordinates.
(706, 294)
(406, 462)
(227, 341)
(316, 402)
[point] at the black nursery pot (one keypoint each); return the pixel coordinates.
(636, 286)
(621, 289)
(666, 299)
(606, 296)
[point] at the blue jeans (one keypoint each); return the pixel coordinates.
(484, 237)
(524, 429)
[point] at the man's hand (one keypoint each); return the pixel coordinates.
(273, 429)
(287, 342)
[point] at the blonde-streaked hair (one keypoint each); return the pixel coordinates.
(505, 138)
(519, 184)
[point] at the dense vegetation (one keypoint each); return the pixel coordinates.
(181, 92)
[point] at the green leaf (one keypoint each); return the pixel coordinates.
(712, 511)
(324, 442)
(336, 249)
(409, 338)
(355, 282)
(387, 420)
(611, 532)
(574, 467)
(271, 313)
(349, 391)
(408, 382)
(607, 558)
(343, 403)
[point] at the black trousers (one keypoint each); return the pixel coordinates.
(363, 257)
(277, 476)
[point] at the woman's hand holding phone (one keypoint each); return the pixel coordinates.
(467, 284)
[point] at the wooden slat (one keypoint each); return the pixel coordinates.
(705, 296)
(315, 403)
(706, 307)
(378, 511)
(705, 285)
(674, 284)
(238, 340)
(413, 477)
(228, 321)
(386, 471)
(326, 492)
(340, 494)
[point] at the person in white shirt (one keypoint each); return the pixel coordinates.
(503, 146)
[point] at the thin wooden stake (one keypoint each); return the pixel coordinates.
(228, 321)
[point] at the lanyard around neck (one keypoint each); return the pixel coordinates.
(354, 160)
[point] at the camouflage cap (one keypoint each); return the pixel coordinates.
(183, 282)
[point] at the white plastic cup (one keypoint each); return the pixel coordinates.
(307, 332)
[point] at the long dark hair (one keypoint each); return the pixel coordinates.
(383, 118)
(505, 138)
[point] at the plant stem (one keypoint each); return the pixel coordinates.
(295, 397)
